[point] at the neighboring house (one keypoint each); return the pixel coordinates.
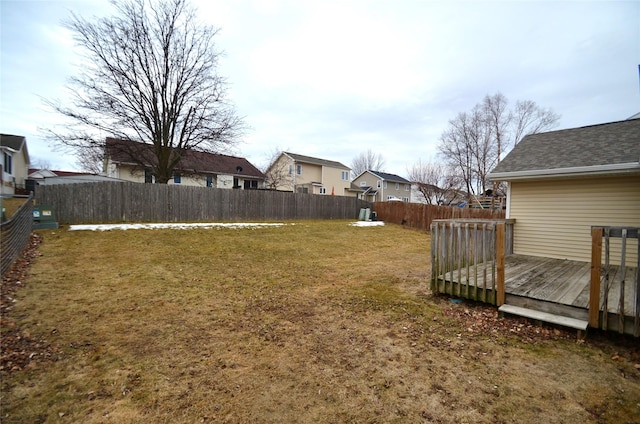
(13, 164)
(306, 174)
(561, 183)
(376, 186)
(194, 169)
(49, 177)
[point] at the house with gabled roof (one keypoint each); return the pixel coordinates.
(568, 251)
(306, 174)
(14, 163)
(560, 183)
(132, 161)
(376, 186)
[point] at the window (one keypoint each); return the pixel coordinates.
(363, 183)
(209, 180)
(405, 199)
(298, 169)
(379, 183)
(407, 187)
(177, 178)
(397, 186)
(323, 190)
(148, 176)
(250, 184)
(8, 166)
(390, 198)
(385, 184)
(345, 175)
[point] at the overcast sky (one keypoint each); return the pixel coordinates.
(333, 79)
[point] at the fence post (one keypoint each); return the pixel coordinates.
(500, 239)
(594, 288)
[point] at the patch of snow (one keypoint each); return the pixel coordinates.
(367, 224)
(181, 226)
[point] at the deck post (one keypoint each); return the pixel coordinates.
(594, 288)
(500, 235)
(434, 257)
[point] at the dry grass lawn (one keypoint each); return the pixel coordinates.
(311, 322)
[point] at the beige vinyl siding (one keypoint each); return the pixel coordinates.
(554, 217)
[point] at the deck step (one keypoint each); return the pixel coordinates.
(578, 324)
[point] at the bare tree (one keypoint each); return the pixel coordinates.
(150, 75)
(437, 183)
(41, 164)
(90, 159)
(475, 141)
(529, 118)
(367, 161)
(277, 172)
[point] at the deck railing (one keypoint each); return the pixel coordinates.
(467, 258)
(601, 281)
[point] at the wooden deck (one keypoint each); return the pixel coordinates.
(553, 285)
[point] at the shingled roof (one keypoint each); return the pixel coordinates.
(388, 177)
(121, 151)
(316, 161)
(596, 149)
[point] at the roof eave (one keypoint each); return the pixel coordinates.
(582, 171)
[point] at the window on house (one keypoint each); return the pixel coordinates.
(379, 184)
(397, 186)
(407, 187)
(323, 190)
(209, 180)
(177, 178)
(405, 199)
(148, 176)
(345, 175)
(8, 163)
(363, 183)
(385, 184)
(299, 169)
(250, 184)
(290, 169)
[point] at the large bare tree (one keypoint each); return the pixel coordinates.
(475, 141)
(367, 161)
(149, 75)
(437, 183)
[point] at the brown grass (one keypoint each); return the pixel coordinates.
(312, 322)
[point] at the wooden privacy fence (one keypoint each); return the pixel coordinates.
(467, 258)
(627, 284)
(420, 216)
(110, 202)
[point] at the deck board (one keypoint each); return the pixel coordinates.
(559, 281)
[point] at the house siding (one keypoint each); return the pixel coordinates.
(332, 180)
(329, 177)
(554, 217)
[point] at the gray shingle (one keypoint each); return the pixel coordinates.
(316, 161)
(594, 145)
(390, 177)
